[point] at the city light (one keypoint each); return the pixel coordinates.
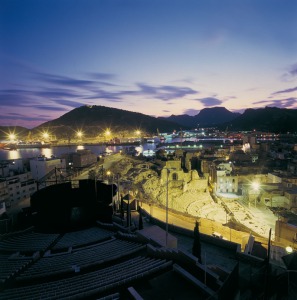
(79, 134)
(45, 135)
(255, 186)
(289, 249)
(12, 136)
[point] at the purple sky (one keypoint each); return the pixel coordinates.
(157, 57)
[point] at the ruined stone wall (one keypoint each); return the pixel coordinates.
(285, 232)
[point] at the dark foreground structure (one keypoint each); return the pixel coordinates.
(61, 207)
(89, 258)
(104, 261)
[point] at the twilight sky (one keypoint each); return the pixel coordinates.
(157, 57)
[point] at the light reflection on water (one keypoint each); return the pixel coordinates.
(96, 149)
(58, 151)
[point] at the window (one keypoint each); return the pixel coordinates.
(174, 176)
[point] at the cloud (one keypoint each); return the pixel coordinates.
(110, 96)
(26, 98)
(75, 82)
(64, 80)
(14, 116)
(285, 91)
(56, 93)
(293, 70)
(69, 103)
(102, 76)
(165, 92)
(14, 100)
(210, 101)
(281, 103)
(51, 108)
(291, 73)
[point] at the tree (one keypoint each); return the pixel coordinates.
(92, 174)
(196, 250)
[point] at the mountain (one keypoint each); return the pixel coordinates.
(95, 119)
(270, 119)
(207, 117)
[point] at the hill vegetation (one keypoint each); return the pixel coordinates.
(269, 119)
(95, 120)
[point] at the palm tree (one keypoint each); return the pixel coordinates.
(196, 250)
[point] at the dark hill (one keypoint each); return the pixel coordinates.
(271, 119)
(214, 116)
(207, 117)
(96, 119)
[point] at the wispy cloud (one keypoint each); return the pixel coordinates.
(25, 117)
(210, 101)
(164, 92)
(281, 103)
(69, 103)
(111, 96)
(285, 91)
(291, 73)
(50, 108)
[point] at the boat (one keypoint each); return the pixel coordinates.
(23, 145)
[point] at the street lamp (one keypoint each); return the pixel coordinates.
(12, 137)
(138, 132)
(79, 134)
(256, 188)
(45, 135)
(109, 174)
(107, 134)
(289, 249)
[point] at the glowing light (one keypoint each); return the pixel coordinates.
(138, 132)
(45, 135)
(12, 136)
(289, 249)
(255, 186)
(79, 134)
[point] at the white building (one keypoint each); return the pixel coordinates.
(20, 187)
(42, 166)
(16, 184)
(222, 178)
(3, 196)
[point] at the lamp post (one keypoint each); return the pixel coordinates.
(167, 182)
(167, 194)
(110, 176)
(118, 183)
(79, 135)
(255, 187)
